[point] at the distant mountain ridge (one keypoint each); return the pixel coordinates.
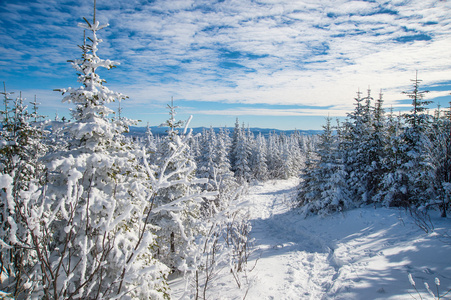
(156, 130)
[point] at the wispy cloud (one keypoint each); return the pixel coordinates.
(314, 53)
(272, 112)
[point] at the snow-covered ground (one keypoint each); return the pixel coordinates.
(364, 253)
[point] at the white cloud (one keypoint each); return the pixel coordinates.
(352, 7)
(314, 53)
(272, 112)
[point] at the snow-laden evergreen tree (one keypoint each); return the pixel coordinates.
(194, 147)
(286, 153)
(335, 194)
(259, 166)
(309, 187)
(328, 191)
(225, 180)
(174, 162)
(214, 165)
(227, 140)
(392, 185)
(251, 145)
(291, 157)
(298, 154)
(177, 198)
(224, 168)
(206, 166)
(242, 155)
(89, 227)
(35, 114)
(416, 162)
(440, 156)
(274, 158)
(357, 146)
(150, 140)
(233, 144)
(376, 148)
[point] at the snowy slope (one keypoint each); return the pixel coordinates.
(365, 253)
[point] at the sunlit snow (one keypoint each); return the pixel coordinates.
(364, 253)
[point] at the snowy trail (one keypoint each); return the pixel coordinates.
(297, 259)
(364, 253)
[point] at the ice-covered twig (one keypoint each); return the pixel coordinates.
(412, 282)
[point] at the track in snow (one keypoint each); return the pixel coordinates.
(291, 264)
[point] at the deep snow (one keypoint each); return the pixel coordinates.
(364, 253)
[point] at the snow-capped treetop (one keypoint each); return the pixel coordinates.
(417, 117)
(171, 122)
(91, 115)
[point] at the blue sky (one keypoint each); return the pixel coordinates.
(281, 64)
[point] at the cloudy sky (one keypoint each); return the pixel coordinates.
(272, 63)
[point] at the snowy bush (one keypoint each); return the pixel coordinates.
(21, 177)
(224, 248)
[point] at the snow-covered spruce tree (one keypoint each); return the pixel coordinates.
(177, 198)
(298, 154)
(341, 159)
(274, 158)
(415, 163)
(308, 189)
(242, 154)
(172, 161)
(214, 165)
(150, 140)
(233, 144)
(90, 230)
(292, 159)
(392, 185)
(222, 162)
(258, 161)
(357, 145)
(377, 146)
(225, 180)
(286, 157)
(35, 114)
(328, 192)
(206, 167)
(440, 155)
(194, 146)
(20, 150)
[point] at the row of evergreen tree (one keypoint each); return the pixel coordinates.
(250, 157)
(399, 160)
(240, 157)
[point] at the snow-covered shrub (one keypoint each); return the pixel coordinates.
(177, 197)
(21, 176)
(224, 248)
